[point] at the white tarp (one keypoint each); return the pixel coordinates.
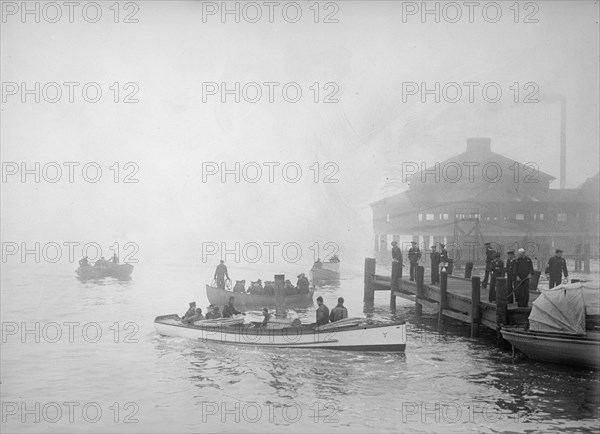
(562, 309)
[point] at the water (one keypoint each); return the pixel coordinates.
(130, 379)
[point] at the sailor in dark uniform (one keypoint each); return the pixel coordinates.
(435, 265)
(556, 269)
(489, 257)
(497, 271)
(523, 271)
(414, 254)
(443, 258)
(396, 265)
(511, 265)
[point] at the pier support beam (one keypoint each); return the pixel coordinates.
(501, 304)
(468, 270)
(280, 296)
(475, 299)
(369, 293)
(420, 289)
(443, 299)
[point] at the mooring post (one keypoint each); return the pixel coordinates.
(420, 291)
(501, 304)
(280, 295)
(443, 298)
(468, 270)
(369, 293)
(475, 299)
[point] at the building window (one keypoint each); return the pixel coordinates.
(520, 217)
(387, 219)
(444, 216)
(420, 217)
(429, 217)
(561, 217)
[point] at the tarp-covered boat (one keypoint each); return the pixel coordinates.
(349, 334)
(220, 297)
(557, 326)
(91, 272)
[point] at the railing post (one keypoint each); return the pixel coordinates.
(443, 298)
(369, 293)
(501, 303)
(468, 270)
(420, 291)
(475, 299)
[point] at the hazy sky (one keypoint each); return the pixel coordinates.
(367, 135)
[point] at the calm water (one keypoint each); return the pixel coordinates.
(120, 376)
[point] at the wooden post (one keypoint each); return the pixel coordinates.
(280, 296)
(586, 258)
(475, 299)
(468, 270)
(369, 293)
(501, 303)
(420, 277)
(443, 298)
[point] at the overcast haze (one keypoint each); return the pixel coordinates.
(368, 134)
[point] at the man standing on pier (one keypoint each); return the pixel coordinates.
(523, 271)
(497, 271)
(435, 265)
(556, 268)
(511, 267)
(396, 265)
(414, 254)
(489, 257)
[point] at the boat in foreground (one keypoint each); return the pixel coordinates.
(220, 297)
(118, 271)
(349, 334)
(561, 327)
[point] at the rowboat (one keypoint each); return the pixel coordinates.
(561, 327)
(118, 271)
(220, 297)
(325, 271)
(349, 334)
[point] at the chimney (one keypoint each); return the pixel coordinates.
(479, 145)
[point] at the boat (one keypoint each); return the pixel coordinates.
(562, 327)
(91, 272)
(324, 271)
(220, 297)
(351, 334)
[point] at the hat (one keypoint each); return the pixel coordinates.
(510, 252)
(341, 300)
(394, 243)
(264, 309)
(521, 250)
(192, 303)
(433, 247)
(300, 275)
(319, 298)
(222, 261)
(487, 244)
(414, 242)
(558, 251)
(442, 245)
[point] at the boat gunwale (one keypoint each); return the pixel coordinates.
(549, 336)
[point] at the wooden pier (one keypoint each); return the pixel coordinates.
(460, 298)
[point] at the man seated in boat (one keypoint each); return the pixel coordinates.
(196, 317)
(257, 288)
(318, 264)
(303, 284)
(289, 288)
(339, 312)
(114, 259)
(240, 286)
(322, 312)
(84, 262)
(334, 258)
(190, 312)
(266, 315)
(214, 312)
(221, 274)
(100, 262)
(229, 310)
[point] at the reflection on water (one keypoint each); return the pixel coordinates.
(183, 385)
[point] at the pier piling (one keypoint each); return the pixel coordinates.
(475, 299)
(443, 298)
(280, 295)
(501, 303)
(369, 292)
(420, 282)
(468, 270)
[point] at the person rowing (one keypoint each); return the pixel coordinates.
(229, 310)
(190, 312)
(339, 312)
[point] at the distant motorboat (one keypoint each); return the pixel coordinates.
(557, 330)
(93, 272)
(324, 271)
(349, 334)
(220, 297)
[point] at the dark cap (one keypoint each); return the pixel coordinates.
(414, 242)
(319, 298)
(264, 309)
(192, 303)
(558, 251)
(341, 300)
(487, 244)
(394, 243)
(442, 245)
(433, 247)
(510, 252)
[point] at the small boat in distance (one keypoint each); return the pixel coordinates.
(93, 272)
(220, 297)
(561, 327)
(326, 271)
